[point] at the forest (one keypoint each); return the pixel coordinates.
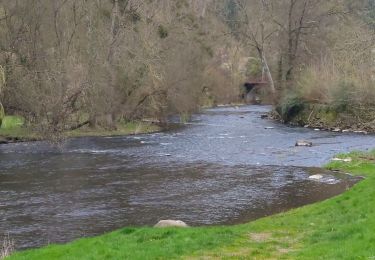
(66, 64)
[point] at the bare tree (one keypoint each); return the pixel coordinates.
(257, 32)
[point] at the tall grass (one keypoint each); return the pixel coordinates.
(339, 86)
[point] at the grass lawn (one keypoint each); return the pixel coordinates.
(342, 227)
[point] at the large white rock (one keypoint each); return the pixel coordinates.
(170, 223)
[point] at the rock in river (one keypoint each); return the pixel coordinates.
(316, 177)
(170, 223)
(303, 143)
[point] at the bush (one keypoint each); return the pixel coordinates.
(289, 106)
(162, 31)
(342, 95)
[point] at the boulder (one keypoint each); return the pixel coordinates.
(170, 223)
(316, 177)
(303, 143)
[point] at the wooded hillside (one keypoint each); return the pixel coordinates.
(69, 63)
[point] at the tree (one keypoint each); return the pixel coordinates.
(256, 31)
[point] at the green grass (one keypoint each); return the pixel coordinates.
(13, 128)
(10, 122)
(125, 128)
(342, 227)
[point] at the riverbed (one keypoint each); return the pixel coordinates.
(226, 166)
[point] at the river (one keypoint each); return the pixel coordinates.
(226, 166)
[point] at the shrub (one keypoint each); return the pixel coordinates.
(289, 106)
(162, 31)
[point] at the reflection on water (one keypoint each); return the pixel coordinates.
(223, 168)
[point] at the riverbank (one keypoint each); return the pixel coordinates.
(13, 130)
(324, 117)
(338, 228)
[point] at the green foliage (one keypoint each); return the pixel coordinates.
(338, 228)
(289, 106)
(11, 122)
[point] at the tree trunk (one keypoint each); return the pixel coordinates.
(268, 73)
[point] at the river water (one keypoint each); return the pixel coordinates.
(227, 166)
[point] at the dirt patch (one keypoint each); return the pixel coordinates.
(260, 237)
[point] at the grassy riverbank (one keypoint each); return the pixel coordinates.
(13, 129)
(338, 228)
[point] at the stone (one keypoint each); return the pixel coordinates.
(263, 116)
(170, 223)
(269, 127)
(316, 177)
(361, 132)
(336, 129)
(342, 160)
(303, 143)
